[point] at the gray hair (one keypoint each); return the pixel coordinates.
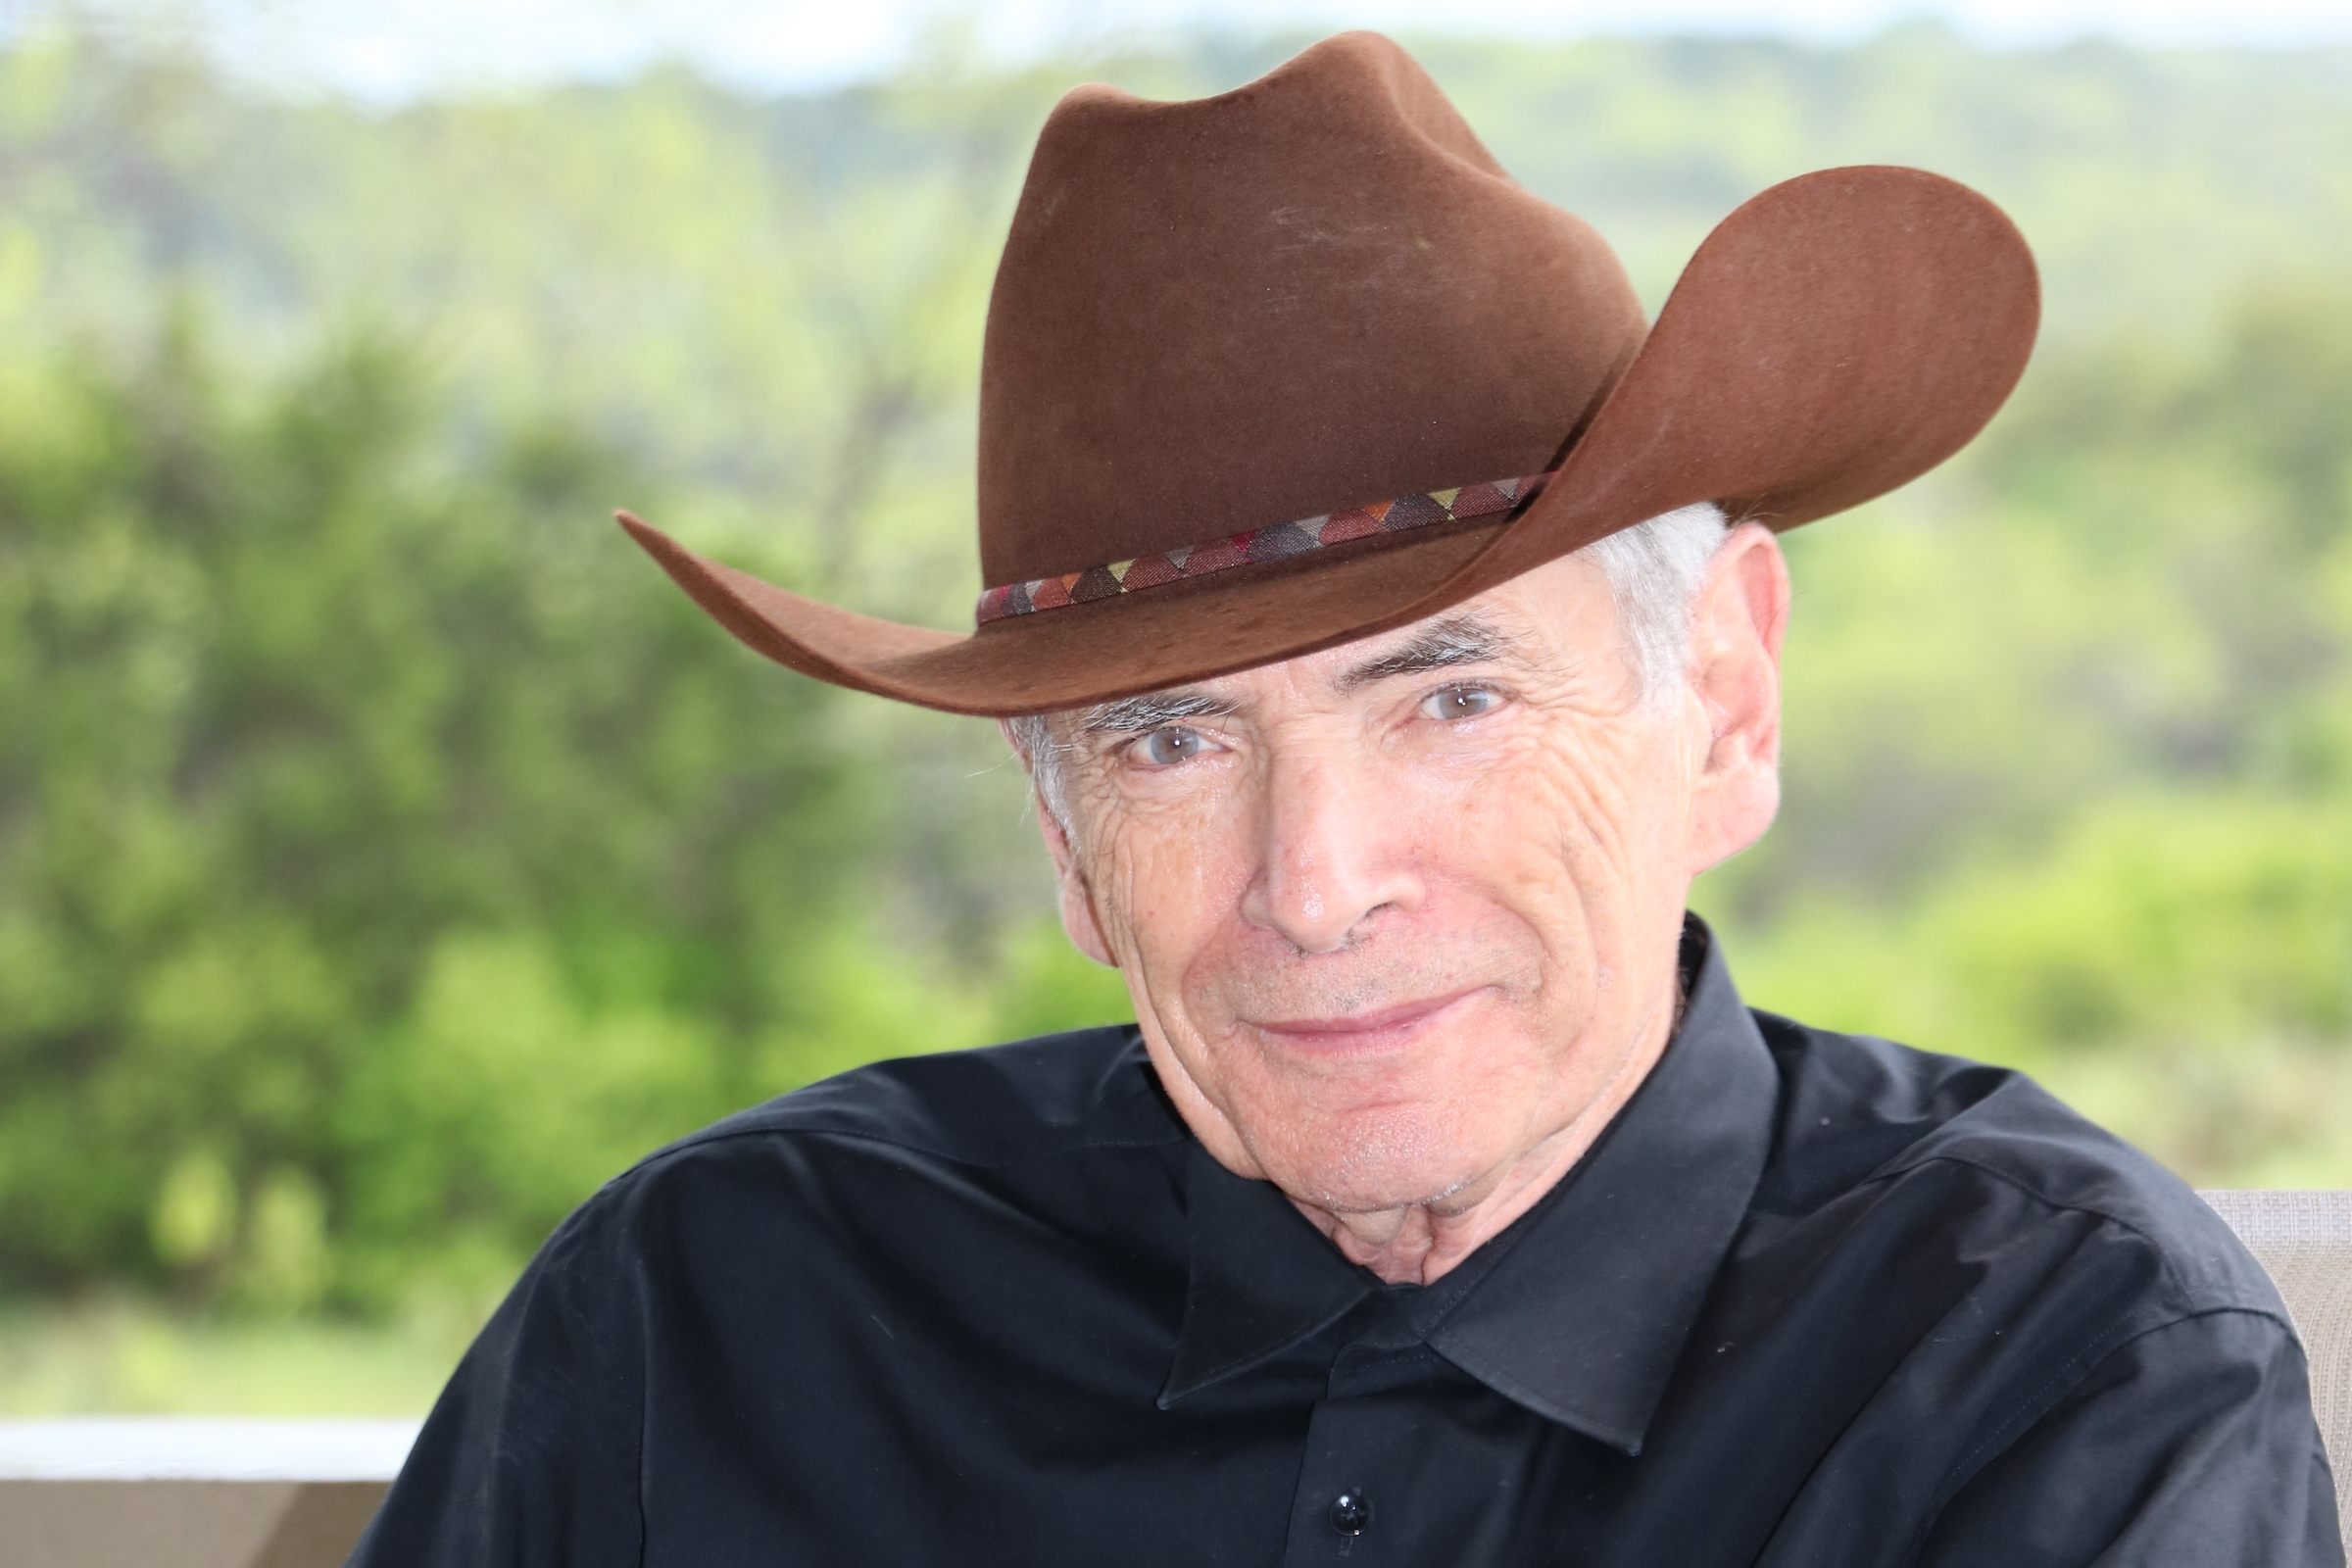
(1653, 569)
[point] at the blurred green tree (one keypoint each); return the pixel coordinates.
(2069, 767)
(387, 856)
(385, 852)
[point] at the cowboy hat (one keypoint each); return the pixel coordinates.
(1280, 368)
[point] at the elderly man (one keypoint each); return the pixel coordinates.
(1391, 627)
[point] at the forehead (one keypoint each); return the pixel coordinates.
(1542, 619)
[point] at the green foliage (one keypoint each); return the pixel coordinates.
(388, 855)
(122, 1355)
(2069, 775)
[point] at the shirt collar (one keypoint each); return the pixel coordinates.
(1262, 1278)
(1581, 1314)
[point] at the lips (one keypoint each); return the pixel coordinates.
(1371, 1030)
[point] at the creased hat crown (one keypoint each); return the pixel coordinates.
(1311, 293)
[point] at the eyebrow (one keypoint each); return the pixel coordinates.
(1131, 716)
(1440, 644)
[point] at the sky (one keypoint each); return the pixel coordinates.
(390, 50)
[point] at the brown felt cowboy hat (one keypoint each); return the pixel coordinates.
(1277, 370)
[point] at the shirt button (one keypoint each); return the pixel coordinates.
(1350, 1511)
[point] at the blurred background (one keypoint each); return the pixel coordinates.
(388, 855)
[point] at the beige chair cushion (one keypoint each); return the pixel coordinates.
(184, 1524)
(2305, 1240)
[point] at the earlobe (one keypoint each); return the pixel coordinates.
(1739, 621)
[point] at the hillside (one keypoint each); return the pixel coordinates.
(386, 857)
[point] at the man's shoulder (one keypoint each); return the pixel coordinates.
(993, 1107)
(1061, 1127)
(1867, 1118)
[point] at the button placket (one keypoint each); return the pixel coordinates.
(1342, 1508)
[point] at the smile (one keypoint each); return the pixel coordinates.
(1382, 1029)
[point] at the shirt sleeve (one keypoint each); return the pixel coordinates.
(531, 1454)
(2191, 1446)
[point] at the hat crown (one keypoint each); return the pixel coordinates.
(1314, 292)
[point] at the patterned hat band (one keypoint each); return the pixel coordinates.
(1277, 542)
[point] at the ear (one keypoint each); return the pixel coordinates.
(1737, 624)
(1077, 900)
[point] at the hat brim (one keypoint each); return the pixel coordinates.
(1832, 339)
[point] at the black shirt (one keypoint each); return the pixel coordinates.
(1811, 1300)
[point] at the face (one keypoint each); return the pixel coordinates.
(1398, 916)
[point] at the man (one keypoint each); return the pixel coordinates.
(1444, 1205)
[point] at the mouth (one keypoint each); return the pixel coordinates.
(1381, 1029)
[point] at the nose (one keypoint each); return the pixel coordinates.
(1334, 854)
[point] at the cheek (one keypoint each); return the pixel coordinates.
(1164, 880)
(1568, 826)
(1524, 813)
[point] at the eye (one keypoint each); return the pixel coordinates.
(1166, 748)
(1460, 701)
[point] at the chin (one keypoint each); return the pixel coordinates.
(1382, 1163)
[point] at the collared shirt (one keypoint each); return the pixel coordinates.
(1811, 1300)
